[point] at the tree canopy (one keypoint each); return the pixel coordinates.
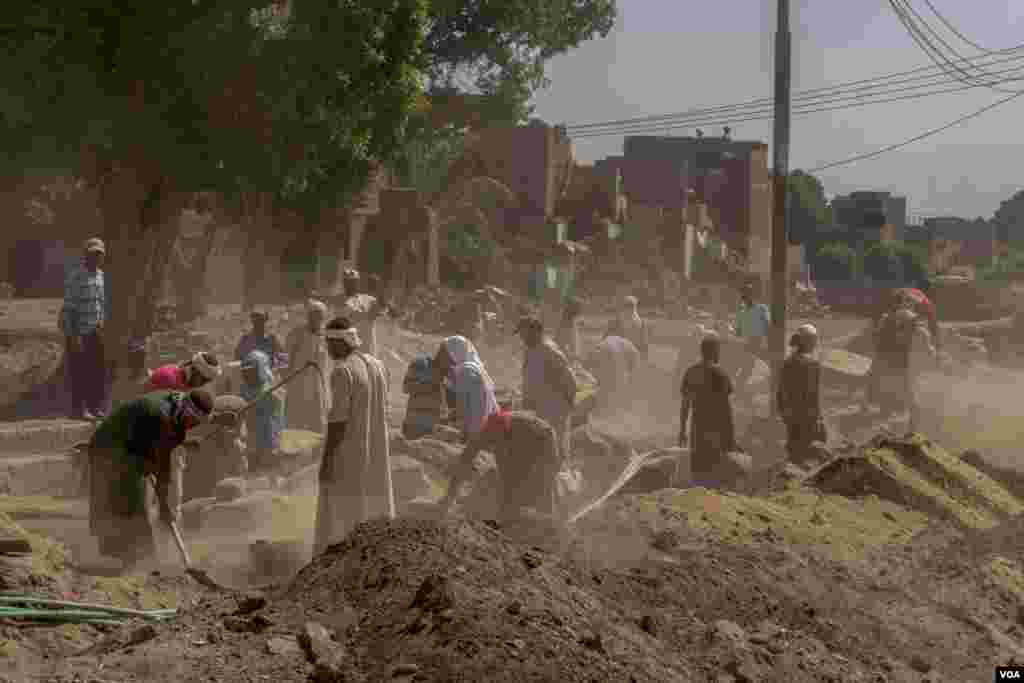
(1009, 218)
(291, 99)
(498, 48)
(807, 207)
(835, 262)
(288, 103)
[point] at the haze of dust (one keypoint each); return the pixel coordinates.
(981, 411)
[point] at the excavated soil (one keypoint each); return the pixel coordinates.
(908, 569)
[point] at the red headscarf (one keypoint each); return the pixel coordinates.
(922, 300)
(500, 422)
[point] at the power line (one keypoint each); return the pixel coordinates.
(948, 24)
(921, 136)
(766, 114)
(997, 57)
(903, 10)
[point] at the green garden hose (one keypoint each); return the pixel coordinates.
(33, 607)
(158, 614)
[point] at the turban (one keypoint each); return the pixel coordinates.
(349, 336)
(207, 366)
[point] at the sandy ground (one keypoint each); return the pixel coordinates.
(791, 585)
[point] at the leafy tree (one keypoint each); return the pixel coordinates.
(1009, 218)
(807, 209)
(882, 263)
(913, 260)
(835, 262)
(150, 102)
(498, 48)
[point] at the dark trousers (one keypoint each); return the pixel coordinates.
(801, 435)
(87, 373)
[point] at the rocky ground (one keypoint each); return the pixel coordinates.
(891, 562)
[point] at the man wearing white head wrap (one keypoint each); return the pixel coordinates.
(798, 395)
(362, 310)
(309, 399)
(355, 472)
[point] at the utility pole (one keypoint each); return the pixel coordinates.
(780, 152)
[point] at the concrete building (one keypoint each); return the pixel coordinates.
(534, 161)
(882, 216)
(730, 177)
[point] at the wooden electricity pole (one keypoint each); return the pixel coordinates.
(780, 152)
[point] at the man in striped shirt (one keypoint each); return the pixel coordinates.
(83, 316)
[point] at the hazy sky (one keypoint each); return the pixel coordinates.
(668, 56)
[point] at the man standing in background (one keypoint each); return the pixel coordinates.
(753, 320)
(309, 398)
(82, 318)
(361, 309)
(705, 415)
(798, 396)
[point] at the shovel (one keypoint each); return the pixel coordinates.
(266, 392)
(199, 575)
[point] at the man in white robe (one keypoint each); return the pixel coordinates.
(309, 397)
(355, 473)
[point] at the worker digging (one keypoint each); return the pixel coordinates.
(132, 469)
(799, 395)
(527, 456)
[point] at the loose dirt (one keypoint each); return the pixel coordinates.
(908, 569)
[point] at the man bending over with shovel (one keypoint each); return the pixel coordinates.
(129, 451)
(526, 452)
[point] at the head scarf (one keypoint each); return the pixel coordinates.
(259, 361)
(207, 370)
(807, 330)
(95, 245)
(465, 357)
(349, 336)
(804, 334)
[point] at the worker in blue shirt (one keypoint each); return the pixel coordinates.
(753, 321)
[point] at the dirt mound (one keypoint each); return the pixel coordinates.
(918, 474)
(462, 602)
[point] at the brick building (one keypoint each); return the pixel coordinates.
(729, 176)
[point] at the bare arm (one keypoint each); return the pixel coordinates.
(684, 418)
(462, 471)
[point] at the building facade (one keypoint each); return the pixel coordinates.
(872, 212)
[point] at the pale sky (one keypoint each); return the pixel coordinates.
(668, 56)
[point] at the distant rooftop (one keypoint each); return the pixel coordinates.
(681, 141)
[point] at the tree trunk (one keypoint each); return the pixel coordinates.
(141, 218)
(256, 221)
(190, 278)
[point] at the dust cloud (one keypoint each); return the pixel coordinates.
(980, 411)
